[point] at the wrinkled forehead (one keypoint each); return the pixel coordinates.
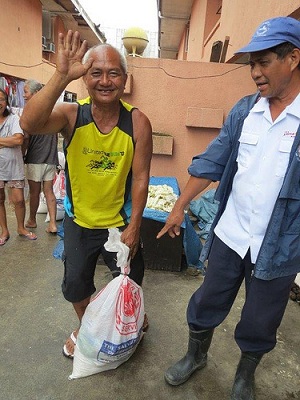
(106, 55)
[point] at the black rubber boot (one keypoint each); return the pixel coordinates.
(243, 387)
(195, 358)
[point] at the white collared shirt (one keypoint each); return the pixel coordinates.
(262, 159)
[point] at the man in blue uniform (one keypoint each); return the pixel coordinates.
(256, 233)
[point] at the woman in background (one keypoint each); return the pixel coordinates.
(41, 159)
(11, 170)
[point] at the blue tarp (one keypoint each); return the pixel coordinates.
(192, 245)
(205, 209)
(59, 248)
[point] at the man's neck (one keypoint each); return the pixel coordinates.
(278, 104)
(106, 116)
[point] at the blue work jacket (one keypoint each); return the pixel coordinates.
(279, 254)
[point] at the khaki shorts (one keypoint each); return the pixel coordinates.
(40, 172)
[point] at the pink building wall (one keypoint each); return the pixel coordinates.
(185, 100)
(238, 20)
(170, 92)
(176, 93)
(21, 46)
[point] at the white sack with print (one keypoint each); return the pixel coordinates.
(111, 327)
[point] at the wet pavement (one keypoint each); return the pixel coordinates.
(36, 320)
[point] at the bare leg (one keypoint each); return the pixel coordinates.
(51, 205)
(17, 197)
(34, 200)
(3, 220)
(79, 308)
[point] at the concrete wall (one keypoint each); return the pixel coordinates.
(186, 100)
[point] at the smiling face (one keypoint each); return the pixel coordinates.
(105, 80)
(271, 74)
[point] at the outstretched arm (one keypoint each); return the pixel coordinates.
(38, 115)
(176, 217)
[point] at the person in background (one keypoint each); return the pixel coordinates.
(11, 170)
(41, 159)
(255, 235)
(108, 149)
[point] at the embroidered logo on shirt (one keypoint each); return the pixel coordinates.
(290, 134)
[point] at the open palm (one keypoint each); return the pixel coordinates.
(70, 54)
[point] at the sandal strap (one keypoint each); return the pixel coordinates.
(73, 338)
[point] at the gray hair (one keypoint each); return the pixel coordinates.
(123, 60)
(33, 85)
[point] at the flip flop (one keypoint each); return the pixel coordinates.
(65, 350)
(29, 236)
(3, 240)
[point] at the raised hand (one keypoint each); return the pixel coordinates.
(70, 54)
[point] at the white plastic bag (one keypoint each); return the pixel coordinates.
(60, 211)
(111, 327)
(59, 190)
(59, 187)
(42, 208)
(61, 160)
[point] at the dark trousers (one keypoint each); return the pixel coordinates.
(82, 248)
(264, 306)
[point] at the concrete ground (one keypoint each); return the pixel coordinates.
(35, 321)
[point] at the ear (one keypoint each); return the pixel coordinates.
(125, 80)
(295, 58)
(84, 80)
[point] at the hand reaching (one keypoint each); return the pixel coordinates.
(173, 223)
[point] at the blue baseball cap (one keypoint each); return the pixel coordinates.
(272, 32)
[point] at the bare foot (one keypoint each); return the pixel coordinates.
(52, 230)
(3, 240)
(27, 234)
(4, 234)
(69, 347)
(30, 224)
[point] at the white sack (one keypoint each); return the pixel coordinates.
(112, 324)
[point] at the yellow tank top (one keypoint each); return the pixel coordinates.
(98, 171)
